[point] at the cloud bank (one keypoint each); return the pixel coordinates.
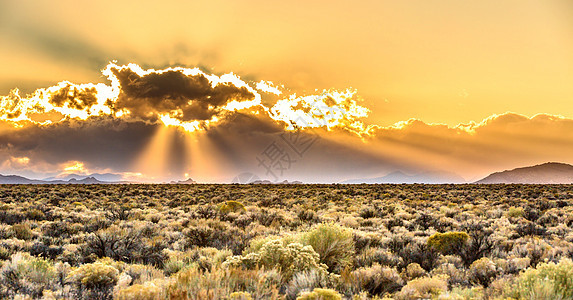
(225, 123)
(184, 97)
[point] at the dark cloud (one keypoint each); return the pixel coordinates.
(192, 96)
(116, 145)
(76, 98)
(243, 139)
(98, 141)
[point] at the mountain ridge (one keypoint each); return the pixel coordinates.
(16, 179)
(546, 173)
(399, 177)
(104, 177)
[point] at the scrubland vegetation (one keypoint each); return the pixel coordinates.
(286, 242)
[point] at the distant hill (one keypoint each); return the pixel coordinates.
(250, 178)
(107, 177)
(15, 179)
(278, 182)
(400, 177)
(547, 173)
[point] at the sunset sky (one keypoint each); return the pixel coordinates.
(167, 90)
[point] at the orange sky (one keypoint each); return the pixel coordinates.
(446, 62)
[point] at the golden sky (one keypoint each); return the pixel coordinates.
(438, 62)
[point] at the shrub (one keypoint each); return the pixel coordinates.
(294, 257)
(204, 258)
(480, 243)
(232, 206)
(333, 243)
(513, 265)
(372, 255)
(320, 294)
(307, 215)
(367, 213)
(378, 280)
(94, 281)
(199, 236)
(307, 281)
(459, 293)
(419, 253)
(27, 274)
(528, 228)
(413, 271)
(515, 212)
(547, 281)
(35, 214)
(217, 235)
(240, 296)
(456, 275)
(218, 283)
(482, 271)
(423, 288)
(142, 273)
(138, 244)
(366, 240)
(535, 249)
(4, 253)
(173, 266)
(22, 231)
(289, 259)
(149, 290)
(256, 244)
(449, 242)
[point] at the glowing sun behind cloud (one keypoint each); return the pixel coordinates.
(75, 167)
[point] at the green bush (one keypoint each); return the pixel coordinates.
(448, 242)
(232, 206)
(546, 281)
(333, 243)
(320, 294)
(256, 244)
(94, 280)
(288, 259)
(423, 288)
(240, 296)
(94, 275)
(515, 212)
(149, 290)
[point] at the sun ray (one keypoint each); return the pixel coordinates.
(153, 160)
